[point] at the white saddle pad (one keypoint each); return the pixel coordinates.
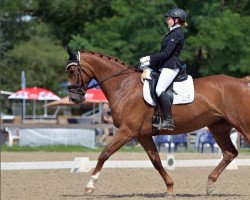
(184, 90)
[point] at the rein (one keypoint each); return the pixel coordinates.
(112, 76)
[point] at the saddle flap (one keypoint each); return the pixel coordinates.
(182, 75)
(181, 91)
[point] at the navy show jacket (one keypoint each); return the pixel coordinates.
(171, 47)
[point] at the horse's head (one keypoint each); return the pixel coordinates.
(78, 77)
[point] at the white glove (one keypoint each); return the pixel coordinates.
(144, 65)
(145, 59)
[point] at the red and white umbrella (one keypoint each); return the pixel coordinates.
(95, 96)
(34, 94)
(92, 96)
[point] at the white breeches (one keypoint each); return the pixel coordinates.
(166, 78)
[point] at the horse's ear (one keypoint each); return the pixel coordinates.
(72, 54)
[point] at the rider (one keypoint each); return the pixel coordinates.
(167, 61)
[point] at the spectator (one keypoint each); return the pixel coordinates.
(4, 134)
(106, 119)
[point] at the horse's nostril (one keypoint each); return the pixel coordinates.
(72, 99)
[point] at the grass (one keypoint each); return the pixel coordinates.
(74, 148)
(63, 148)
(245, 150)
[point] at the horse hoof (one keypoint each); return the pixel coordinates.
(169, 195)
(210, 189)
(89, 190)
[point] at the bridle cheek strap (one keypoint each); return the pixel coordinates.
(80, 86)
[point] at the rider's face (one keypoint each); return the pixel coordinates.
(170, 21)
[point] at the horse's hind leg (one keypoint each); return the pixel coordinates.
(221, 133)
(149, 146)
(122, 137)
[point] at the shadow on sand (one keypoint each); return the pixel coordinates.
(150, 196)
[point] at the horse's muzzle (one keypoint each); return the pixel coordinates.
(76, 93)
(76, 98)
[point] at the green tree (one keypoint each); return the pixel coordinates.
(135, 29)
(218, 41)
(41, 57)
(68, 17)
(222, 44)
(15, 21)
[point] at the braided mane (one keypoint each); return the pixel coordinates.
(101, 55)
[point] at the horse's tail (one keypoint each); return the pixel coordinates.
(247, 80)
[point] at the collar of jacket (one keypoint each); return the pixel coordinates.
(174, 27)
(173, 30)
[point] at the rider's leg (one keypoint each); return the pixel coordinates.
(167, 122)
(166, 78)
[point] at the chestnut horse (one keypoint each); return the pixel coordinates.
(221, 103)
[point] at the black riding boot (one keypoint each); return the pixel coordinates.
(167, 122)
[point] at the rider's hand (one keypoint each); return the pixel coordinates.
(144, 62)
(145, 59)
(144, 65)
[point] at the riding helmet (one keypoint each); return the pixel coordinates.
(177, 13)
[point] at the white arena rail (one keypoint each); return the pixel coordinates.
(85, 165)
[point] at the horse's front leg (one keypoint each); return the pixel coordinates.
(149, 146)
(122, 137)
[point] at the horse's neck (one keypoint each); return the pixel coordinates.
(108, 73)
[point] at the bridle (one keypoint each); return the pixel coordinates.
(81, 87)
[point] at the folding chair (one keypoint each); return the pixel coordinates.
(162, 139)
(12, 137)
(179, 139)
(206, 138)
